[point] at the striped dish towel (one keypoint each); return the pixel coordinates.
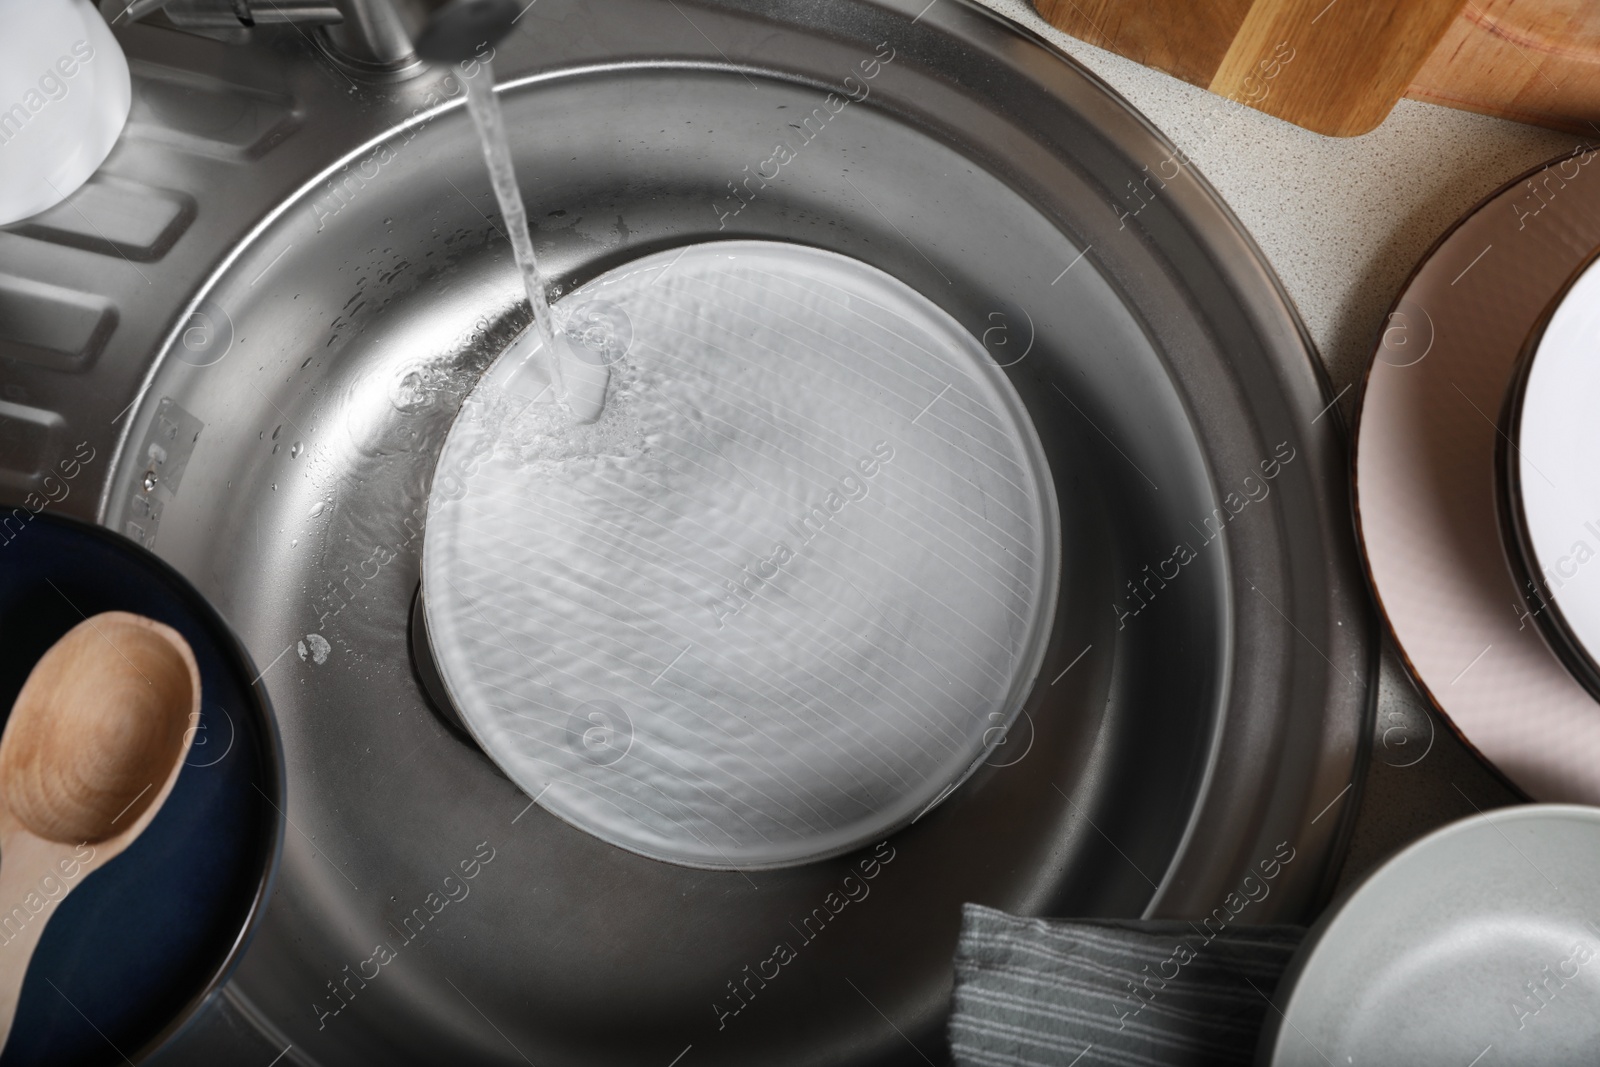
(1125, 993)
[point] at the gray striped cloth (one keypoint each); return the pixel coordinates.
(1125, 993)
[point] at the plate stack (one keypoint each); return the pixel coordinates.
(1478, 507)
(1477, 500)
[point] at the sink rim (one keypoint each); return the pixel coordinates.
(1262, 299)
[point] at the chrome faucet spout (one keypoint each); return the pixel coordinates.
(451, 31)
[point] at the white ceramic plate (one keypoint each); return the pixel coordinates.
(1551, 478)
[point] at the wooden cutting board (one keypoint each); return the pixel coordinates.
(1531, 60)
(1339, 67)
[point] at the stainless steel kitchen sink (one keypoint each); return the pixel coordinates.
(265, 310)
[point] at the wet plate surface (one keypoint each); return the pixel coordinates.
(782, 596)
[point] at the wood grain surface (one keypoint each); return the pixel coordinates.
(1534, 61)
(1336, 68)
(92, 748)
(1339, 67)
(1185, 38)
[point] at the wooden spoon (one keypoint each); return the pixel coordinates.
(93, 746)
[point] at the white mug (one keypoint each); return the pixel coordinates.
(64, 97)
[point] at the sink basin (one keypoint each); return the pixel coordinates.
(1206, 679)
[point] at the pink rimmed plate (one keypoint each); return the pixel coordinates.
(1425, 483)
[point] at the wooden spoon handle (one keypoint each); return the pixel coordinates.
(35, 875)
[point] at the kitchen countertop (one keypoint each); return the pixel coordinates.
(1344, 221)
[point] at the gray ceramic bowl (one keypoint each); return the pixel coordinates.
(1479, 944)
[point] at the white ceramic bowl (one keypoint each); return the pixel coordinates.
(64, 97)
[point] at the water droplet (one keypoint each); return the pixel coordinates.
(294, 453)
(274, 487)
(318, 508)
(294, 542)
(149, 481)
(276, 430)
(274, 450)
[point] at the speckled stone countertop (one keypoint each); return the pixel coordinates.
(1343, 221)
